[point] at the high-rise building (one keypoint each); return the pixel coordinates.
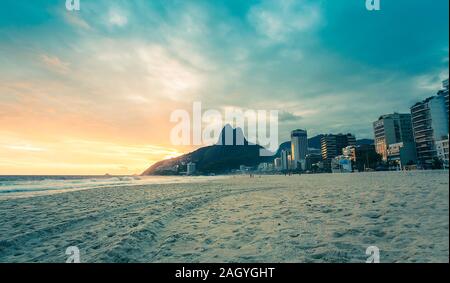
(312, 150)
(444, 94)
(277, 164)
(430, 124)
(442, 152)
(332, 146)
(299, 148)
(392, 129)
(285, 160)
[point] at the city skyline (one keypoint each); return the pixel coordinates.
(91, 91)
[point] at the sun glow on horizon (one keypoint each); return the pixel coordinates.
(79, 157)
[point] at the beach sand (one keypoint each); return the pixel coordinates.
(308, 218)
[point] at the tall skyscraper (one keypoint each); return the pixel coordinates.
(285, 160)
(299, 148)
(443, 153)
(445, 84)
(393, 129)
(430, 125)
(332, 146)
(277, 164)
(444, 93)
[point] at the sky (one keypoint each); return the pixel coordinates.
(92, 91)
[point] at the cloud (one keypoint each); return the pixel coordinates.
(76, 21)
(277, 20)
(286, 117)
(55, 64)
(117, 18)
(25, 147)
(431, 81)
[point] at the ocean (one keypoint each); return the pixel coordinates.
(29, 186)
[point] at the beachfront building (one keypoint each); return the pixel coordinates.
(299, 148)
(245, 169)
(363, 157)
(341, 164)
(191, 168)
(445, 84)
(392, 129)
(265, 167)
(444, 94)
(350, 152)
(277, 164)
(312, 160)
(442, 152)
(430, 125)
(286, 160)
(312, 150)
(401, 155)
(366, 157)
(332, 146)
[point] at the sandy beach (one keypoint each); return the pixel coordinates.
(308, 218)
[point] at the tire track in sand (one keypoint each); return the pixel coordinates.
(151, 240)
(25, 244)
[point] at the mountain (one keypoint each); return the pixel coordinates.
(218, 158)
(283, 146)
(315, 142)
